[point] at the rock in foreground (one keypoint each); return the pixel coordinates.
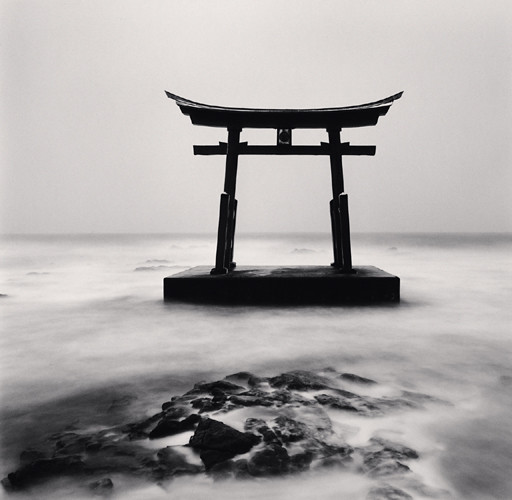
(240, 427)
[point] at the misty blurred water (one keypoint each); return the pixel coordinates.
(85, 313)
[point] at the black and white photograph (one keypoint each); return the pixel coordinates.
(255, 250)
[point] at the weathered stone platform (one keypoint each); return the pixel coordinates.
(283, 285)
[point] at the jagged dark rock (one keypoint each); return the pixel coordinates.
(383, 457)
(300, 380)
(71, 444)
(356, 379)
(120, 457)
(170, 427)
(208, 387)
(281, 397)
(218, 441)
(140, 430)
(336, 402)
(397, 450)
(348, 401)
(211, 458)
(44, 469)
(346, 394)
(254, 397)
(174, 411)
(208, 404)
(256, 425)
(223, 470)
(31, 455)
(387, 404)
(289, 430)
(329, 455)
(245, 378)
(377, 466)
(102, 486)
(387, 492)
(172, 463)
(271, 461)
(230, 469)
(420, 398)
(301, 461)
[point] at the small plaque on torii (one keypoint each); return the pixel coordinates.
(338, 283)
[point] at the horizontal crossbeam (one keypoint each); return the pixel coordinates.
(323, 149)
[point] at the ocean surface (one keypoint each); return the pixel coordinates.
(83, 322)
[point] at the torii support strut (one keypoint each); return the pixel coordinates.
(339, 206)
(227, 213)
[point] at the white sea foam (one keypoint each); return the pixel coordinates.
(77, 320)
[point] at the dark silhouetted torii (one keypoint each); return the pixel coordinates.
(333, 120)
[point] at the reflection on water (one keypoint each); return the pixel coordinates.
(82, 328)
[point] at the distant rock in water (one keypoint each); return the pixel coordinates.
(3, 295)
(302, 251)
(153, 268)
(158, 261)
(284, 427)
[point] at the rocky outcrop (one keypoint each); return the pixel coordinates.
(382, 458)
(289, 431)
(169, 426)
(42, 469)
(218, 442)
(102, 487)
(299, 380)
(387, 492)
(173, 463)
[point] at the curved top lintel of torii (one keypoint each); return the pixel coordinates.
(326, 118)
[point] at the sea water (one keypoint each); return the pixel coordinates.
(84, 323)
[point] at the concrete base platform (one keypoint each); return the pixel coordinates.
(283, 285)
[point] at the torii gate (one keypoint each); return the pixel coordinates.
(333, 120)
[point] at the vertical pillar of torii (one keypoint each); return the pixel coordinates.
(339, 206)
(227, 212)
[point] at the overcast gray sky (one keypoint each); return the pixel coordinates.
(90, 143)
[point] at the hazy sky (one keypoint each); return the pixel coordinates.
(90, 143)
